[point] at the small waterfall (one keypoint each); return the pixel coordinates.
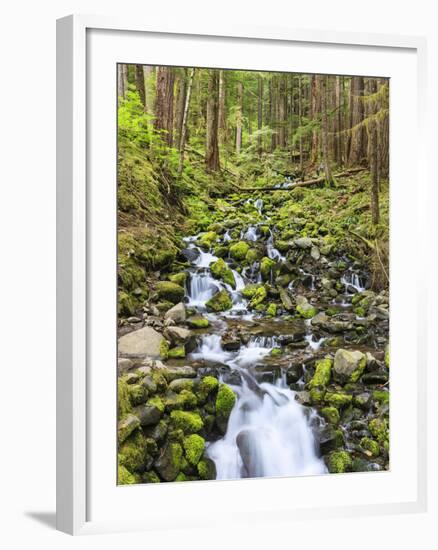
(352, 279)
(250, 234)
(201, 288)
(258, 204)
(314, 344)
(272, 252)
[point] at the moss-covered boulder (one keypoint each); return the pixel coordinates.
(124, 405)
(253, 255)
(331, 415)
(168, 464)
(151, 477)
(207, 239)
(220, 270)
(266, 267)
(260, 296)
(194, 446)
(133, 452)
(250, 290)
(271, 310)
(370, 446)
(239, 250)
(306, 310)
(126, 426)
(323, 371)
(124, 476)
(219, 302)
(189, 422)
(339, 462)
(178, 278)
(348, 365)
(169, 291)
(178, 352)
(206, 469)
(184, 400)
(207, 386)
(198, 321)
(225, 401)
(338, 399)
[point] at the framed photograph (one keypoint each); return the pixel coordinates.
(235, 336)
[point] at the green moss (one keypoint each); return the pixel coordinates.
(127, 304)
(169, 291)
(123, 398)
(206, 469)
(219, 302)
(189, 422)
(207, 385)
(220, 270)
(225, 401)
(338, 400)
(371, 446)
(126, 426)
(157, 402)
(339, 462)
(238, 251)
(252, 256)
(151, 477)
(276, 352)
(359, 311)
(323, 371)
(178, 278)
(164, 349)
(207, 239)
(137, 394)
(271, 310)
(250, 290)
(132, 452)
(184, 400)
(194, 446)
(266, 267)
(181, 477)
(259, 297)
(381, 396)
(197, 321)
(316, 395)
(379, 429)
(177, 352)
(331, 415)
(306, 310)
(124, 476)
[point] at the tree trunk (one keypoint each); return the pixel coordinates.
(212, 148)
(300, 118)
(182, 141)
(316, 109)
(181, 82)
(373, 152)
(139, 83)
(164, 103)
(239, 117)
(149, 92)
(357, 143)
(281, 97)
(122, 80)
(259, 115)
(324, 132)
(222, 106)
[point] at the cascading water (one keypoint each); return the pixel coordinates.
(268, 432)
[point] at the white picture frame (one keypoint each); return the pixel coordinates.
(76, 212)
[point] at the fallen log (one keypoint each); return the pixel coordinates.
(303, 183)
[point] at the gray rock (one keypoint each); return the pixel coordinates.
(172, 373)
(315, 253)
(286, 300)
(178, 335)
(177, 313)
(145, 341)
(303, 242)
(123, 365)
(169, 462)
(148, 414)
(303, 397)
(126, 426)
(348, 365)
(319, 319)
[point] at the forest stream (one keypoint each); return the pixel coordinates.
(270, 359)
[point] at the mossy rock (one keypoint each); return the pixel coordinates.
(219, 302)
(331, 415)
(381, 397)
(138, 394)
(197, 321)
(178, 278)
(370, 446)
(220, 270)
(151, 477)
(133, 452)
(124, 476)
(239, 250)
(250, 290)
(271, 310)
(221, 251)
(266, 267)
(206, 387)
(207, 239)
(316, 396)
(184, 400)
(323, 371)
(380, 430)
(306, 310)
(127, 304)
(124, 405)
(189, 422)
(194, 446)
(339, 462)
(259, 296)
(206, 469)
(169, 291)
(276, 352)
(177, 352)
(126, 426)
(253, 255)
(337, 399)
(168, 464)
(225, 401)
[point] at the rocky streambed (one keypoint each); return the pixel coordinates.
(260, 351)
